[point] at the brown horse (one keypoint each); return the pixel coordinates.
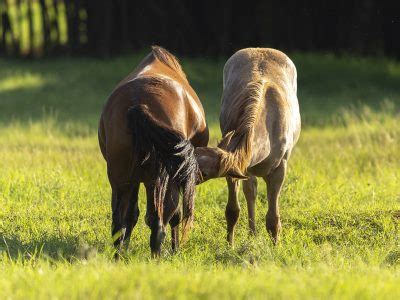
(260, 123)
(147, 133)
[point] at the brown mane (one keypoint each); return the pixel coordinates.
(237, 143)
(168, 59)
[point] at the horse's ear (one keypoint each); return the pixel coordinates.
(226, 140)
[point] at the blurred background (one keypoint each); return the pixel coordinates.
(36, 28)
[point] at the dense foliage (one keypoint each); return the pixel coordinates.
(212, 28)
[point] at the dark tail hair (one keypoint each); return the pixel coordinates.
(171, 156)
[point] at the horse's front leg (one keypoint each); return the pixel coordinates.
(250, 193)
(174, 223)
(232, 208)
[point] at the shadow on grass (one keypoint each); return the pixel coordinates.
(363, 228)
(66, 249)
(73, 90)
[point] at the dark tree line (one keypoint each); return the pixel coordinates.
(194, 27)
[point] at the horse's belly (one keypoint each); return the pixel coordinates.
(266, 158)
(265, 167)
(260, 151)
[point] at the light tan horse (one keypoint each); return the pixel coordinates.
(260, 123)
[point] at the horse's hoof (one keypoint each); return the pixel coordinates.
(274, 234)
(274, 226)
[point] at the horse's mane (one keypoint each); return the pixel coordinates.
(168, 59)
(238, 143)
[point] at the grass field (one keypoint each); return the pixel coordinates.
(340, 203)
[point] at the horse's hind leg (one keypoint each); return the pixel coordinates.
(232, 208)
(274, 182)
(157, 235)
(116, 227)
(132, 213)
(125, 213)
(172, 215)
(250, 193)
(174, 223)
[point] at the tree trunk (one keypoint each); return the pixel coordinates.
(73, 21)
(55, 26)
(31, 31)
(45, 26)
(4, 25)
(8, 28)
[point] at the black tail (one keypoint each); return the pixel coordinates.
(170, 155)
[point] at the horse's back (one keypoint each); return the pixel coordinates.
(168, 96)
(261, 66)
(251, 64)
(170, 100)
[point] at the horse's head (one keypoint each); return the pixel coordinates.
(215, 162)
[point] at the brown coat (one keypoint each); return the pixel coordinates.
(147, 133)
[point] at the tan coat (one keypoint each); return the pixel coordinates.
(260, 124)
(259, 102)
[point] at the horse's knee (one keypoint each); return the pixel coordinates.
(250, 187)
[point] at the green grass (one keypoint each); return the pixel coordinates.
(340, 203)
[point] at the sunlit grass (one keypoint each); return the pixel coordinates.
(340, 203)
(24, 81)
